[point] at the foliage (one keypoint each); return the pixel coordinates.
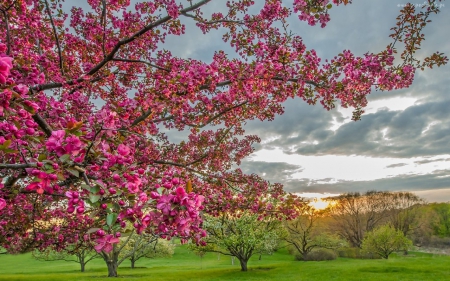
(441, 226)
(385, 240)
(242, 235)
(81, 255)
(305, 233)
(87, 98)
(318, 255)
(145, 245)
(404, 211)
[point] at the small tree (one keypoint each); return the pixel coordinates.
(146, 245)
(304, 234)
(241, 235)
(81, 255)
(385, 240)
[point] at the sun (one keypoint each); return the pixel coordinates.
(319, 204)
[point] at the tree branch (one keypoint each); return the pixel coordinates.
(56, 37)
(43, 124)
(139, 33)
(17, 166)
(8, 35)
(141, 61)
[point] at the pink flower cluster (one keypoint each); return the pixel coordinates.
(61, 145)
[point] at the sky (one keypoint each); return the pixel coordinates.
(402, 142)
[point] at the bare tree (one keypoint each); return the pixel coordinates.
(355, 214)
(305, 233)
(404, 211)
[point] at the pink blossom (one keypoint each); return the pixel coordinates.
(55, 141)
(2, 203)
(123, 150)
(5, 66)
(165, 204)
(105, 244)
(73, 146)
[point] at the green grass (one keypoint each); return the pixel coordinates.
(184, 265)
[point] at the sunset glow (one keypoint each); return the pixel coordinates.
(319, 204)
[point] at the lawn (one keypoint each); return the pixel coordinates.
(184, 265)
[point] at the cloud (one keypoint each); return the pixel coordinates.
(396, 165)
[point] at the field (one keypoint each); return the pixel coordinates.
(185, 265)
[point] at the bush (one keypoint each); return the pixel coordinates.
(318, 255)
(356, 253)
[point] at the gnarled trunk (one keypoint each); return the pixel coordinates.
(111, 260)
(243, 264)
(112, 268)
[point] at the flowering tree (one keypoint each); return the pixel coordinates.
(385, 240)
(86, 100)
(241, 235)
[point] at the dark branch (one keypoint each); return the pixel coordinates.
(43, 124)
(141, 61)
(56, 37)
(8, 35)
(17, 166)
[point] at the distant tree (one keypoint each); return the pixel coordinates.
(241, 235)
(385, 240)
(146, 245)
(304, 234)
(441, 226)
(404, 211)
(81, 254)
(355, 214)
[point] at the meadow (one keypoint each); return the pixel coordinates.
(281, 266)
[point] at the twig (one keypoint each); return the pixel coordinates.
(56, 37)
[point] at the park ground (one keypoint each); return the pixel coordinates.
(281, 266)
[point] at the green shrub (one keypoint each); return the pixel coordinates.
(317, 255)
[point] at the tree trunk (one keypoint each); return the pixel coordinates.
(111, 260)
(132, 263)
(112, 268)
(81, 260)
(243, 264)
(82, 265)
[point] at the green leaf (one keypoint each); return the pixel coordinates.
(85, 186)
(111, 219)
(42, 157)
(73, 172)
(160, 190)
(64, 158)
(95, 189)
(6, 144)
(94, 198)
(92, 230)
